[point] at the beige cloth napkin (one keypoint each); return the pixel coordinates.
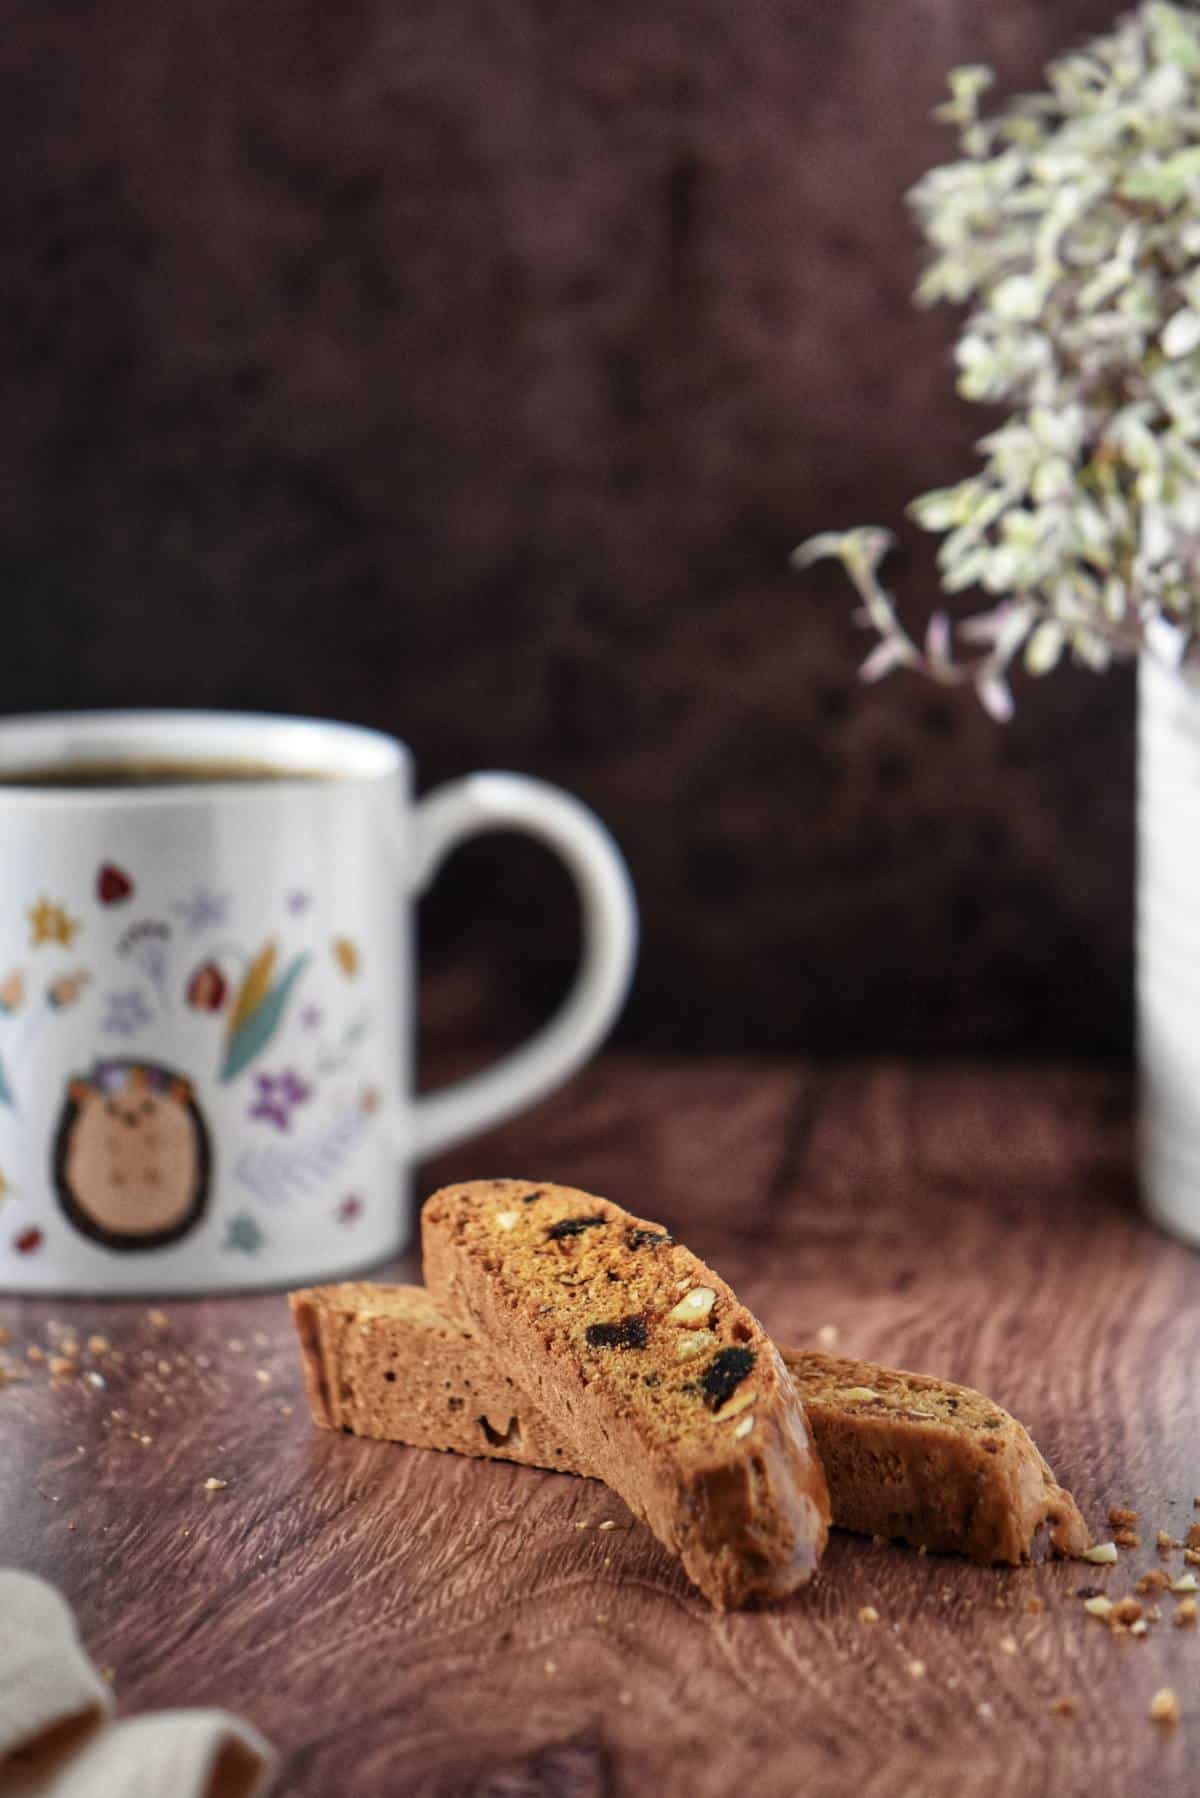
(57, 1736)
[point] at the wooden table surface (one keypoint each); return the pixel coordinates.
(401, 1622)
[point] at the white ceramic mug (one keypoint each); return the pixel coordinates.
(206, 995)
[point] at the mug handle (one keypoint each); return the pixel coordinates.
(480, 802)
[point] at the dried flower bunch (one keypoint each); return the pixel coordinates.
(1071, 225)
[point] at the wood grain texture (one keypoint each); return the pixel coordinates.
(401, 1622)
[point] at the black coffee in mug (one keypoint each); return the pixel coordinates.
(146, 772)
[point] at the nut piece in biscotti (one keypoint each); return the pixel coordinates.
(383, 1361)
(649, 1368)
(905, 1455)
(926, 1462)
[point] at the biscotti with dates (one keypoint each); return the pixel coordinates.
(939, 1466)
(906, 1455)
(383, 1361)
(649, 1369)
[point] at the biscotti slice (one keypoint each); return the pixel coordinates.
(940, 1466)
(905, 1455)
(649, 1368)
(383, 1361)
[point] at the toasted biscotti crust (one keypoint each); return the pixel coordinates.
(906, 1455)
(646, 1364)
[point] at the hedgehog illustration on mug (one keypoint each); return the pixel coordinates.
(132, 1156)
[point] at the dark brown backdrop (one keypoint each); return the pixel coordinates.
(469, 367)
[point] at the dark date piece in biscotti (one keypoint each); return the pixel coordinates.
(649, 1369)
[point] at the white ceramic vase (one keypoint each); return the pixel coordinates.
(1168, 946)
